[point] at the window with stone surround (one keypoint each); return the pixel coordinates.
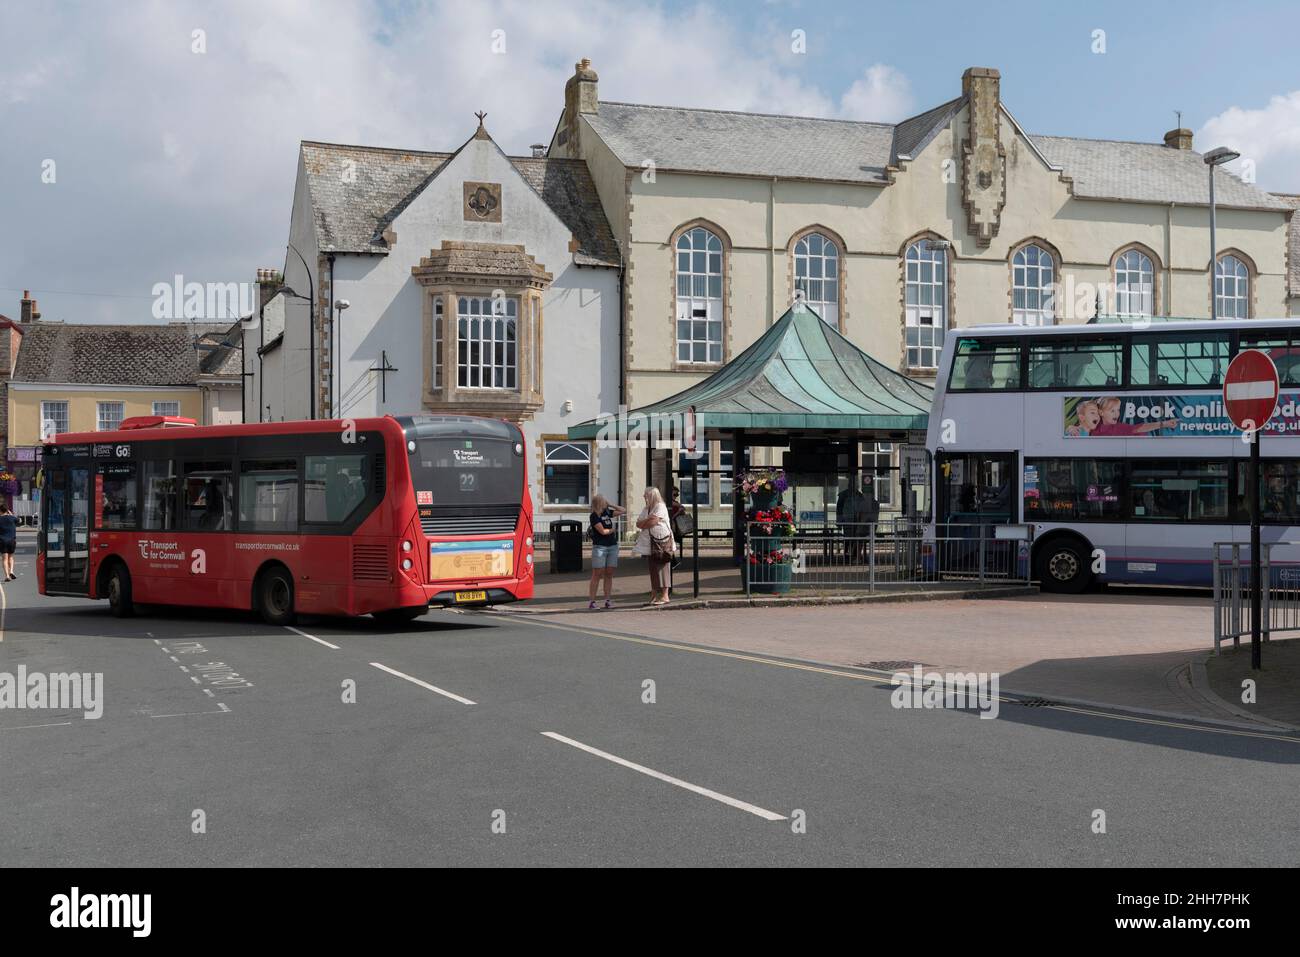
(482, 319)
(1033, 274)
(926, 302)
(1135, 284)
(1231, 288)
(817, 275)
(486, 342)
(566, 477)
(699, 296)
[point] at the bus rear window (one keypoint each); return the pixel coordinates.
(458, 470)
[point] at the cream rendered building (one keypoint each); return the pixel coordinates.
(898, 232)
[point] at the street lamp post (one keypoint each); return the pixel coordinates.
(1215, 157)
(311, 334)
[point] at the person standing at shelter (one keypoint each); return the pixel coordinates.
(604, 548)
(655, 541)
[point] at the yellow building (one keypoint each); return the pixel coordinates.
(88, 378)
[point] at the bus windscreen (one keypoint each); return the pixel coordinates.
(456, 470)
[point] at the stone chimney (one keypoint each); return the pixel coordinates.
(1179, 139)
(579, 97)
(983, 157)
(28, 311)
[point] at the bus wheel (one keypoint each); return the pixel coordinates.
(119, 592)
(1063, 566)
(275, 597)
(398, 616)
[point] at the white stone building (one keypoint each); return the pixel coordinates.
(475, 282)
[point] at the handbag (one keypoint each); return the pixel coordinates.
(683, 525)
(661, 549)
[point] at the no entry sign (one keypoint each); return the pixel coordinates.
(1250, 390)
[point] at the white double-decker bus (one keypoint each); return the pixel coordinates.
(1111, 441)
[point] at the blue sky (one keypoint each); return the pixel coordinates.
(171, 161)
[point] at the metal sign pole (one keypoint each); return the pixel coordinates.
(695, 533)
(1252, 479)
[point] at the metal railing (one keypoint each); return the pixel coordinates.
(1279, 607)
(882, 555)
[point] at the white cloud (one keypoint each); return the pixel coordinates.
(175, 162)
(881, 95)
(1269, 137)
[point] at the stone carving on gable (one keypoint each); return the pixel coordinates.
(482, 202)
(984, 186)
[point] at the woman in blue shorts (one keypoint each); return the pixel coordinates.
(604, 547)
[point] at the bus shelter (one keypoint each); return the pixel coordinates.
(800, 386)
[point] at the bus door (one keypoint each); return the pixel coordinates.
(976, 490)
(66, 530)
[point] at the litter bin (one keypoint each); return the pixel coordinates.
(566, 546)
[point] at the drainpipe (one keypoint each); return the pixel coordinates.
(771, 252)
(336, 339)
(622, 377)
(1169, 260)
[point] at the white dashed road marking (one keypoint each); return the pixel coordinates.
(422, 684)
(320, 641)
(660, 776)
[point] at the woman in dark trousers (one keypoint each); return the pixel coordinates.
(8, 540)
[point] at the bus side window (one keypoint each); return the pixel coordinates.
(335, 486)
(160, 495)
(207, 497)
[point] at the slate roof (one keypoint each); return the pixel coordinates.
(749, 144)
(800, 374)
(1292, 243)
(797, 147)
(144, 355)
(351, 216)
(1147, 172)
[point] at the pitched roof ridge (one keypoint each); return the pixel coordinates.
(774, 116)
(1098, 139)
(373, 149)
(934, 109)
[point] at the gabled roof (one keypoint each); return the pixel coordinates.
(915, 133)
(350, 214)
(144, 355)
(800, 374)
(798, 147)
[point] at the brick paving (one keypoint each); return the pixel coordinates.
(1277, 684)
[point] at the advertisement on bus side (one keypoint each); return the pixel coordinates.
(1126, 415)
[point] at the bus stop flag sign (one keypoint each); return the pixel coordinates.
(1250, 390)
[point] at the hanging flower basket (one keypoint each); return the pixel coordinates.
(8, 483)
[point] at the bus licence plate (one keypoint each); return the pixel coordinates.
(471, 596)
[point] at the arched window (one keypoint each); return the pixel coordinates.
(926, 302)
(817, 275)
(1135, 284)
(1231, 288)
(1033, 273)
(699, 296)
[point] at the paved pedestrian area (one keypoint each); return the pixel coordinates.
(1126, 648)
(1277, 684)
